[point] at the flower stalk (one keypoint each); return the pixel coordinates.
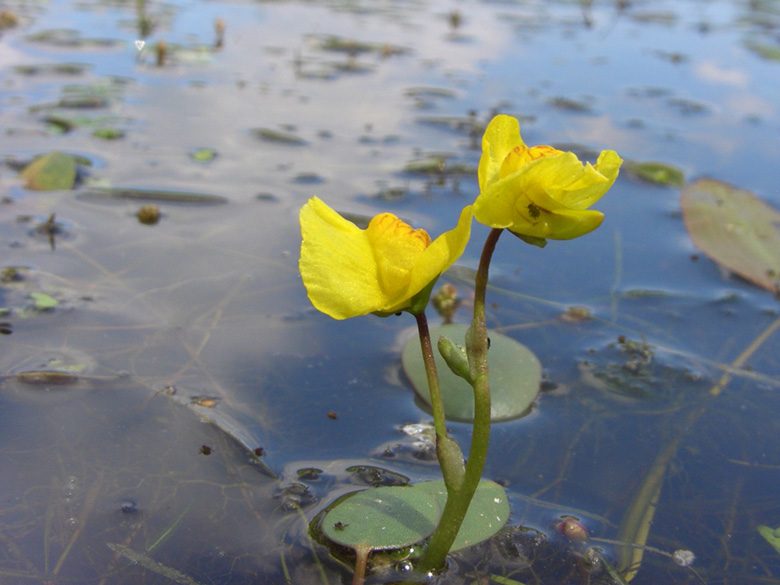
(460, 493)
(447, 450)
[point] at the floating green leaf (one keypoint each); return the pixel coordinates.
(771, 535)
(109, 133)
(515, 376)
(487, 514)
(50, 172)
(382, 518)
(763, 50)
(43, 302)
(656, 172)
(203, 154)
(735, 228)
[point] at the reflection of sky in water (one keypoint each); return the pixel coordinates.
(210, 300)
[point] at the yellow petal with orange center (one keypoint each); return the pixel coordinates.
(337, 263)
(396, 247)
(349, 272)
(539, 191)
(519, 156)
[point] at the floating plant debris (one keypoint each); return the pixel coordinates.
(569, 104)
(203, 154)
(46, 378)
(354, 46)
(656, 172)
(271, 135)
(108, 133)
(52, 68)
(70, 38)
(153, 195)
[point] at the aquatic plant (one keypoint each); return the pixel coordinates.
(537, 193)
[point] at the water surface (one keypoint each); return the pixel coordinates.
(203, 317)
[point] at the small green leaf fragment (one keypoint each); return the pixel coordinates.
(109, 133)
(43, 302)
(203, 154)
(763, 50)
(771, 535)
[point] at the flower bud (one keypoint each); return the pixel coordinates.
(455, 356)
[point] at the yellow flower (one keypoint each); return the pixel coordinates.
(386, 268)
(539, 191)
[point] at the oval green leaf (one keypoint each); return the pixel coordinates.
(50, 172)
(734, 228)
(382, 518)
(515, 376)
(487, 514)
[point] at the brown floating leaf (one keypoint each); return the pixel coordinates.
(735, 228)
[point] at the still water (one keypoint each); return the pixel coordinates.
(198, 386)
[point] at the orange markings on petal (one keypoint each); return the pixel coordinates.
(521, 155)
(387, 226)
(541, 151)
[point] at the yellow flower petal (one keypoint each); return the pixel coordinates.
(594, 182)
(539, 191)
(349, 272)
(337, 263)
(501, 136)
(396, 247)
(442, 253)
(522, 155)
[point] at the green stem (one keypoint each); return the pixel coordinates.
(437, 404)
(447, 450)
(459, 496)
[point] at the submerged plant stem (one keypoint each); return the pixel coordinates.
(636, 523)
(459, 496)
